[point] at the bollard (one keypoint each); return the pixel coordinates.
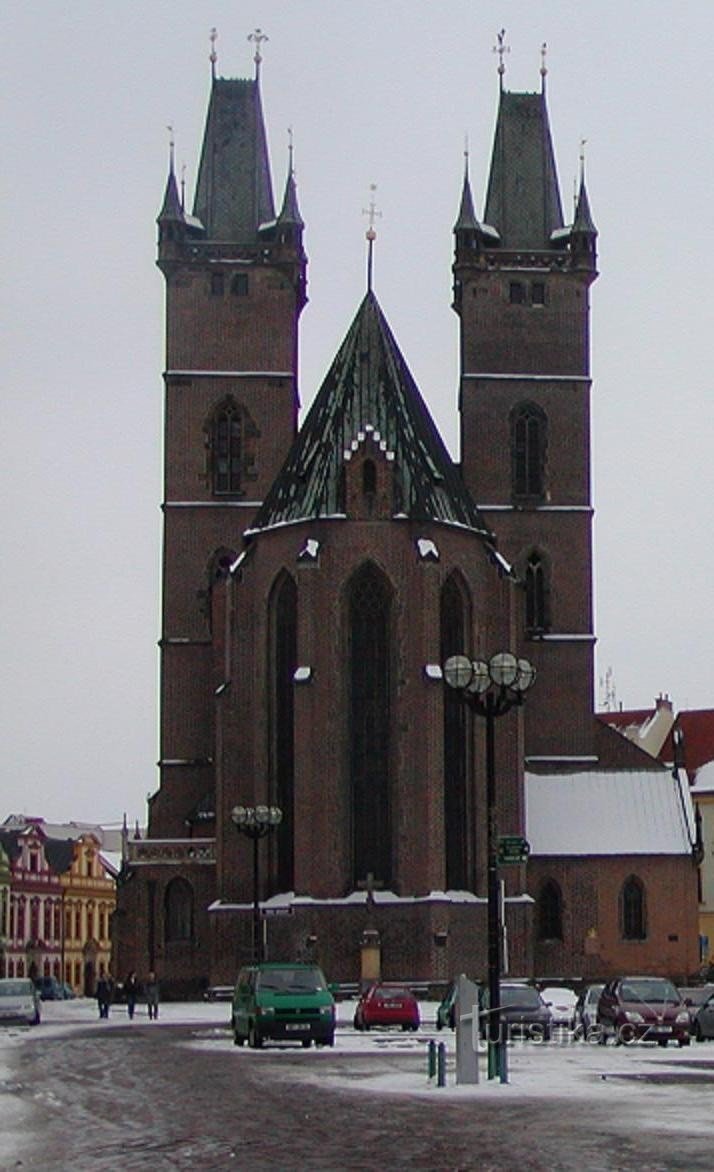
(441, 1065)
(431, 1059)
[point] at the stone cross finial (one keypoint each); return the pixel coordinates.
(371, 234)
(501, 48)
(258, 37)
(213, 56)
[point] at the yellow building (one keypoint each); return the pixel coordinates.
(703, 795)
(88, 899)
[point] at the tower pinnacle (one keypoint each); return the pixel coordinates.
(258, 37)
(501, 48)
(370, 234)
(213, 56)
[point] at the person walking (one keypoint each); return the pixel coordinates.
(131, 992)
(104, 993)
(151, 988)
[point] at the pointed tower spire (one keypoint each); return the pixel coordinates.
(466, 220)
(290, 212)
(171, 208)
(583, 232)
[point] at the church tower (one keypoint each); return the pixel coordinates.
(521, 290)
(235, 287)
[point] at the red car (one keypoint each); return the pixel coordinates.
(642, 1009)
(383, 1004)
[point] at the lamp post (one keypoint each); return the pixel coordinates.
(256, 822)
(491, 688)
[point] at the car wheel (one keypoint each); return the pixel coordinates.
(306, 1043)
(357, 1023)
(662, 1042)
(684, 1041)
(254, 1039)
(439, 1024)
(698, 1033)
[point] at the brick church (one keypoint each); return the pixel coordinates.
(317, 575)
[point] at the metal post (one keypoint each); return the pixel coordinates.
(494, 952)
(431, 1059)
(257, 942)
(441, 1065)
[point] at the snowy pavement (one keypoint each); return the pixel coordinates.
(653, 1087)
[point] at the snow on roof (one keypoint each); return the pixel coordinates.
(704, 780)
(615, 813)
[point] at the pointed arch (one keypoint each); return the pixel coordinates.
(633, 909)
(454, 621)
(231, 441)
(369, 600)
(529, 441)
(537, 583)
(550, 911)
(282, 661)
(178, 911)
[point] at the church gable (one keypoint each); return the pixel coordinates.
(369, 391)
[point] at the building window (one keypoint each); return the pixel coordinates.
(369, 715)
(283, 660)
(369, 478)
(528, 451)
(517, 293)
(632, 909)
(231, 441)
(217, 284)
(458, 845)
(538, 293)
(239, 285)
(178, 911)
(550, 911)
(536, 581)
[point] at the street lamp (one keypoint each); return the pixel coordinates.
(491, 688)
(256, 822)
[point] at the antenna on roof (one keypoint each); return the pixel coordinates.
(213, 56)
(543, 66)
(501, 48)
(370, 234)
(258, 36)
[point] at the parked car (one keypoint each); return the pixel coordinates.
(50, 989)
(19, 1001)
(694, 997)
(282, 1001)
(68, 992)
(586, 1009)
(561, 1003)
(637, 1009)
(703, 1023)
(524, 1013)
(385, 1004)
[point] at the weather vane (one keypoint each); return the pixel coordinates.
(371, 234)
(258, 36)
(501, 48)
(290, 149)
(213, 56)
(543, 66)
(171, 147)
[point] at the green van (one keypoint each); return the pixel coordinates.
(279, 1001)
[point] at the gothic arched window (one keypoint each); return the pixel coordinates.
(536, 593)
(178, 911)
(454, 641)
(231, 439)
(550, 911)
(369, 666)
(529, 427)
(283, 661)
(633, 910)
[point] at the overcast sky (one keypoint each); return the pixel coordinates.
(376, 91)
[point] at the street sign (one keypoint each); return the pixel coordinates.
(513, 848)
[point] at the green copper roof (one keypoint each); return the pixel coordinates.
(523, 199)
(369, 390)
(234, 194)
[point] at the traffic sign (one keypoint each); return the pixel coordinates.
(513, 848)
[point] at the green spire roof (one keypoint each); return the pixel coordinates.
(523, 198)
(234, 194)
(369, 390)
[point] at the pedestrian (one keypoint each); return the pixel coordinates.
(131, 992)
(151, 988)
(105, 993)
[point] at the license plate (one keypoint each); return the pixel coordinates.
(661, 1029)
(393, 1005)
(301, 1025)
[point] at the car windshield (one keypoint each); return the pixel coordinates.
(15, 989)
(648, 990)
(297, 980)
(393, 993)
(522, 996)
(593, 993)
